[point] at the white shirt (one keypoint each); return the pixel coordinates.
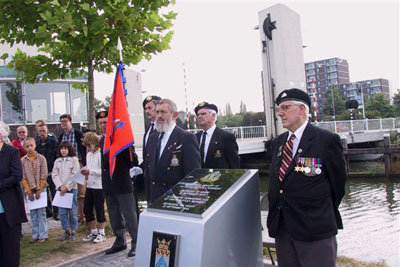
(166, 136)
(93, 163)
(298, 133)
(209, 132)
(148, 133)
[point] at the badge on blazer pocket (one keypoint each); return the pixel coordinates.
(218, 154)
(174, 161)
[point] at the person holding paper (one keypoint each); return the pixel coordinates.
(64, 167)
(12, 209)
(34, 171)
(94, 197)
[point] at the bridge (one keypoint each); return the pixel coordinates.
(251, 139)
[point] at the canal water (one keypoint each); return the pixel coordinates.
(371, 216)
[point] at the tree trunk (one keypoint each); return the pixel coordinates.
(91, 113)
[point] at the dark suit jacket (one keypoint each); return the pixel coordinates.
(180, 156)
(222, 151)
(121, 182)
(308, 206)
(10, 189)
(81, 147)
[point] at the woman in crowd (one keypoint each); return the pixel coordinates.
(12, 210)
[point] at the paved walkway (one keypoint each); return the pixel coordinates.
(119, 259)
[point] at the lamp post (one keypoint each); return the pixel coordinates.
(333, 104)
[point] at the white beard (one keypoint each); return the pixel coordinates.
(164, 127)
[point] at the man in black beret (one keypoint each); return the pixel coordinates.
(306, 186)
(218, 148)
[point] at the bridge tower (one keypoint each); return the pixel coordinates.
(282, 59)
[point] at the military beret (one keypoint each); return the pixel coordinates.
(205, 105)
(150, 98)
(293, 94)
(102, 114)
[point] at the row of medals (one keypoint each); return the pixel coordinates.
(308, 170)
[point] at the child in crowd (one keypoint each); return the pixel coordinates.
(34, 169)
(94, 198)
(64, 168)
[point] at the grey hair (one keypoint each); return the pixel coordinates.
(4, 132)
(298, 103)
(213, 112)
(171, 104)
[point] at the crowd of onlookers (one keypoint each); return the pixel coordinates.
(47, 163)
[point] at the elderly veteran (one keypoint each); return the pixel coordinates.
(218, 148)
(306, 186)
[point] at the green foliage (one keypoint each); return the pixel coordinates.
(14, 96)
(345, 115)
(230, 120)
(378, 107)
(102, 105)
(79, 37)
(253, 119)
(396, 103)
(338, 103)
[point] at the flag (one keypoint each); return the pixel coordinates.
(119, 134)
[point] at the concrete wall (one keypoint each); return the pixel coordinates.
(282, 59)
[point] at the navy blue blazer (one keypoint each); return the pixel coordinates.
(223, 151)
(308, 206)
(10, 189)
(180, 156)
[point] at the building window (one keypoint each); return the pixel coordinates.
(79, 105)
(47, 101)
(11, 102)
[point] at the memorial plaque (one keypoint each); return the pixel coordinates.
(196, 192)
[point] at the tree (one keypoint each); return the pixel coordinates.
(228, 109)
(338, 103)
(243, 108)
(14, 96)
(378, 107)
(396, 103)
(253, 119)
(78, 37)
(230, 120)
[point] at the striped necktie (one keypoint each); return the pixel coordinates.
(286, 157)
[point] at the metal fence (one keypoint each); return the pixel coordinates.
(374, 125)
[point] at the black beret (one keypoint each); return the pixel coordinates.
(150, 98)
(205, 105)
(293, 94)
(102, 114)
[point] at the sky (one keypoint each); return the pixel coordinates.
(221, 51)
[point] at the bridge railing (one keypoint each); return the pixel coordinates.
(245, 132)
(360, 125)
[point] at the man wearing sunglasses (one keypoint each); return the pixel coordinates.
(306, 186)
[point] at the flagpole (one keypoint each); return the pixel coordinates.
(119, 46)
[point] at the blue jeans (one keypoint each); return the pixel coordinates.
(69, 217)
(39, 223)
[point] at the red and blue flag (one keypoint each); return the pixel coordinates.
(119, 135)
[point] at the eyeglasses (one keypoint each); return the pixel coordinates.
(283, 108)
(22, 132)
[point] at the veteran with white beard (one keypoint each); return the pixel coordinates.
(171, 153)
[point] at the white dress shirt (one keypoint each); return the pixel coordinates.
(209, 132)
(166, 136)
(298, 133)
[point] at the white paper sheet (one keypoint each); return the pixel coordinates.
(64, 201)
(37, 203)
(79, 177)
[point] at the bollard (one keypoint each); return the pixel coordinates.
(343, 140)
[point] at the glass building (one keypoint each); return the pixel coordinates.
(21, 102)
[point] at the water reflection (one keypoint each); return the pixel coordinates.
(371, 217)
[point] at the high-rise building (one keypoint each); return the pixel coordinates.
(324, 75)
(363, 90)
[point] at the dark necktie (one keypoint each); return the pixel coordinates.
(160, 137)
(286, 157)
(151, 128)
(203, 143)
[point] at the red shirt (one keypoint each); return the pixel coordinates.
(17, 144)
